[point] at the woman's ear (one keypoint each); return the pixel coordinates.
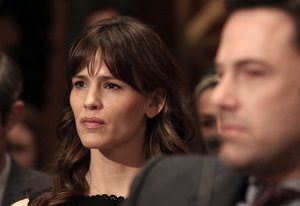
(15, 113)
(157, 103)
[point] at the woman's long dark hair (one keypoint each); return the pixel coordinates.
(136, 55)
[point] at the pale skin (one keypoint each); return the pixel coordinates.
(21, 202)
(111, 119)
(259, 94)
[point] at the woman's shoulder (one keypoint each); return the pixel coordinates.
(23, 202)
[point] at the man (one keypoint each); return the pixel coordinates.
(258, 94)
(15, 181)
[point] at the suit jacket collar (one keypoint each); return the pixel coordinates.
(223, 185)
(22, 182)
(15, 185)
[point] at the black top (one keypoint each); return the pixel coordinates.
(95, 200)
(100, 200)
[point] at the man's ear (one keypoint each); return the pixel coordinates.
(15, 114)
(157, 103)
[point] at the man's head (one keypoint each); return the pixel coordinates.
(10, 89)
(258, 62)
(290, 7)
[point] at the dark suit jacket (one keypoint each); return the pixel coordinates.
(186, 181)
(22, 182)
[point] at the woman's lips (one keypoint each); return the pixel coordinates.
(92, 122)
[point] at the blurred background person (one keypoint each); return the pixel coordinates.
(15, 181)
(97, 14)
(24, 139)
(207, 113)
(84, 14)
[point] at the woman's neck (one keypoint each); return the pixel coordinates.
(112, 174)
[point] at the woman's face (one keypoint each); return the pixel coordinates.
(109, 113)
(208, 114)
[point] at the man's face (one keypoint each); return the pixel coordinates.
(259, 92)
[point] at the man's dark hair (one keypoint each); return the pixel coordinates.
(11, 83)
(291, 7)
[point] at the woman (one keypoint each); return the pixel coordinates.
(206, 112)
(124, 105)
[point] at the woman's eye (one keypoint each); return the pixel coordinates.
(79, 84)
(111, 86)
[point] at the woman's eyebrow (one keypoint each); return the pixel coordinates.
(79, 76)
(107, 77)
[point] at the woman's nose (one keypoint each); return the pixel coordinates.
(92, 99)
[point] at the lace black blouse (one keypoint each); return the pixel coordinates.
(100, 200)
(95, 200)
